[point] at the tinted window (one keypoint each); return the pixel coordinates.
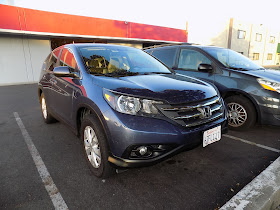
(167, 56)
(67, 59)
(53, 59)
(190, 60)
(46, 62)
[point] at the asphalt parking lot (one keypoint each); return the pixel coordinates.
(201, 178)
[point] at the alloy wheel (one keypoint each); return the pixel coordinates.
(92, 148)
(237, 114)
(44, 108)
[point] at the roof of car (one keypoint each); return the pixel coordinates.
(191, 45)
(94, 44)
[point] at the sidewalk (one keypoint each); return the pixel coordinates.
(261, 193)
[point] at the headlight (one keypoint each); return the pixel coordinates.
(131, 105)
(269, 84)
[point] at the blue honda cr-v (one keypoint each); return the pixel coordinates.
(128, 108)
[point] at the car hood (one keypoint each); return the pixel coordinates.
(266, 74)
(172, 88)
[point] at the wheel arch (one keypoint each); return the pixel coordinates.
(234, 92)
(90, 107)
(40, 91)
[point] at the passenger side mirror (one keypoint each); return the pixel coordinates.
(205, 67)
(64, 71)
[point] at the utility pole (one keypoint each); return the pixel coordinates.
(230, 33)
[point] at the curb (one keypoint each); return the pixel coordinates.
(263, 192)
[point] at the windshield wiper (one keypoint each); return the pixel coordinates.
(96, 74)
(235, 68)
(121, 73)
(147, 73)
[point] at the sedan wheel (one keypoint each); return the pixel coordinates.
(242, 113)
(237, 114)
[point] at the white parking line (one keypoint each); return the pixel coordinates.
(252, 143)
(51, 188)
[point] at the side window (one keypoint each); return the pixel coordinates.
(67, 59)
(167, 56)
(53, 59)
(190, 60)
(46, 62)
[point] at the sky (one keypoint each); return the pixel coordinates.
(172, 13)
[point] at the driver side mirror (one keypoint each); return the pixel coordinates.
(64, 71)
(205, 67)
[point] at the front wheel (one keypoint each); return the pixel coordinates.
(242, 114)
(96, 149)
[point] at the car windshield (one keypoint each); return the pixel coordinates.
(111, 60)
(232, 59)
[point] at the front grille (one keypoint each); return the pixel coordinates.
(195, 113)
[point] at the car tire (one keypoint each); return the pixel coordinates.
(96, 149)
(242, 113)
(48, 118)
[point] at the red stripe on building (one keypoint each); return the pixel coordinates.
(17, 18)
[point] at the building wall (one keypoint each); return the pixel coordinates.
(239, 44)
(21, 59)
(29, 21)
(270, 48)
(258, 46)
(226, 34)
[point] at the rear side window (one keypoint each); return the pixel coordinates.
(67, 59)
(46, 62)
(167, 56)
(53, 59)
(190, 60)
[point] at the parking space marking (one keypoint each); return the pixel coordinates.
(51, 188)
(252, 143)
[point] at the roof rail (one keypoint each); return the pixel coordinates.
(163, 45)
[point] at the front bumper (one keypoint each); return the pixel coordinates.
(126, 131)
(270, 115)
(269, 108)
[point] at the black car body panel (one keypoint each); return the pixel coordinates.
(230, 80)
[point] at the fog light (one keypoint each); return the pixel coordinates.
(142, 150)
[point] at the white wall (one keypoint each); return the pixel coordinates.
(21, 59)
(241, 45)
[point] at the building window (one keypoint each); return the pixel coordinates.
(256, 56)
(269, 56)
(258, 37)
(272, 39)
(241, 34)
(241, 53)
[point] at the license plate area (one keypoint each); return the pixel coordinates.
(212, 135)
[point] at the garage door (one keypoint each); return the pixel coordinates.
(21, 59)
